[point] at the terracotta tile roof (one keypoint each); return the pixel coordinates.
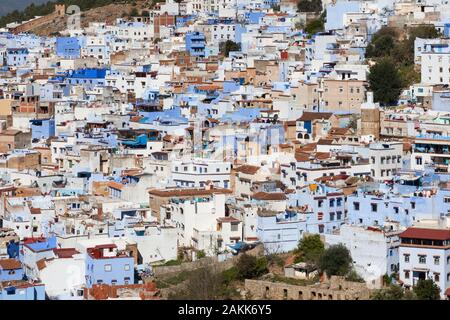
(308, 147)
(322, 155)
(407, 146)
(10, 264)
(275, 196)
(135, 118)
(424, 233)
(209, 87)
(325, 142)
(115, 185)
(309, 116)
(188, 192)
(65, 252)
(41, 264)
(227, 219)
(247, 169)
(339, 131)
(302, 157)
(35, 210)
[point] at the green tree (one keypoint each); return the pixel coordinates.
(427, 290)
(134, 12)
(229, 45)
(314, 26)
(353, 276)
(201, 284)
(381, 46)
(309, 5)
(336, 261)
(201, 254)
(310, 248)
(385, 81)
(393, 292)
(250, 267)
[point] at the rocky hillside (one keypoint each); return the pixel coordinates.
(85, 5)
(108, 14)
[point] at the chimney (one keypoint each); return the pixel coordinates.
(370, 97)
(100, 211)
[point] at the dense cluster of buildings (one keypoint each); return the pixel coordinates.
(131, 144)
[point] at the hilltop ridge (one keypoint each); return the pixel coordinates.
(33, 10)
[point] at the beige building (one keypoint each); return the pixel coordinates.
(14, 139)
(343, 95)
(306, 94)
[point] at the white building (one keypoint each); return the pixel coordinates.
(435, 64)
(385, 159)
(197, 172)
(425, 254)
(374, 250)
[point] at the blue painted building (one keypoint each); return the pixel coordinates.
(336, 12)
(16, 57)
(196, 44)
(11, 270)
(280, 232)
(106, 265)
(42, 128)
(447, 30)
(87, 77)
(68, 47)
(22, 291)
(375, 206)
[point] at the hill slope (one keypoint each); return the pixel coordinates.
(48, 7)
(19, 5)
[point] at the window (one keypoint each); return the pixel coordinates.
(374, 207)
(108, 267)
(422, 259)
(436, 277)
(356, 206)
(234, 227)
(406, 256)
(320, 203)
(11, 291)
(126, 267)
(436, 260)
(413, 205)
(406, 274)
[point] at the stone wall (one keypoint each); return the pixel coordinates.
(164, 272)
(335, 289)
(30, 25)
